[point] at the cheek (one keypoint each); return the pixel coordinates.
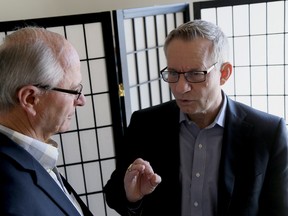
(206, 91)
(61, 109)
(65, 111)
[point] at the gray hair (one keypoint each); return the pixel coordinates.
(29, 56)
(202, 29)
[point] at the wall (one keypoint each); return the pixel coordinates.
(28, 9)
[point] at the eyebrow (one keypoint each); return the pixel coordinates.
(190, 70)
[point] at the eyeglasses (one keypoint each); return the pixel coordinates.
(190, 76)
(77, 92)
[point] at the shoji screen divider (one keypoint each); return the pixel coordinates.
(140, 35)
(257, 32)
(87, 155)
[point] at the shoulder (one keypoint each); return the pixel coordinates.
(157, 114)
(165, 107)
(260, 120)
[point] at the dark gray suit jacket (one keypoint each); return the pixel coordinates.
(253, 176)
(27, 189)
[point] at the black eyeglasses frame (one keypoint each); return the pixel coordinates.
(69, 91)
(184, 73)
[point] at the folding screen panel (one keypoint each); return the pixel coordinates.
(140, 38)
(257, 32)
(87, 155)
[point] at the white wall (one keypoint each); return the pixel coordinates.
(29, 9)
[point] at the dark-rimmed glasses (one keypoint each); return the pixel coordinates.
(190, 76)
(76, 92)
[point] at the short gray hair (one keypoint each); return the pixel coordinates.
(202, 29)
(29, 56)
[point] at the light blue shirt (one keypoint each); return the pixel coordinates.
(46, 155)
(200, 151)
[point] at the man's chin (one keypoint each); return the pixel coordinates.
(64, 128)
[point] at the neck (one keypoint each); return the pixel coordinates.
(206, 117)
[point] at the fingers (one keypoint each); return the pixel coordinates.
(129, 169)
(155, 180)
(140, 180)
(136, 166)
(140, 165)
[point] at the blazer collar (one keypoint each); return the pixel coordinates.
(234, 138)
(42, 179)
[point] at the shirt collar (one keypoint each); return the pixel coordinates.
(45, 154)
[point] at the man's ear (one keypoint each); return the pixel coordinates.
(226, 71)
(28, 97)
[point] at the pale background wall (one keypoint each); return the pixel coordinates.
(29, 9)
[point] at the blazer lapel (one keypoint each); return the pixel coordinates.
(84, 208)
(234, 138)
(55, 193)
(42, 179)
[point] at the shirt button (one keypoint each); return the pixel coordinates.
(195, 204)
(198, 175)
(200, 146)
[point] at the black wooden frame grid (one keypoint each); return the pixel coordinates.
(140, 35)
(265, 80)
